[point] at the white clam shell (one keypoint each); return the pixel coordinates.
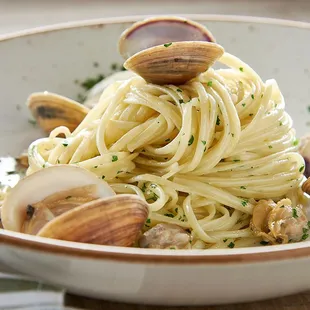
(42, 184)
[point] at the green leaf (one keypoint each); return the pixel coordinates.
(114, 158)
(167, 44)
(231, 245)
(191, 140)
(209, 83)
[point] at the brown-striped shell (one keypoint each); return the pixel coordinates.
(168, 50)
(51, 110)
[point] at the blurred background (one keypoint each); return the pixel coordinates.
(20, 14)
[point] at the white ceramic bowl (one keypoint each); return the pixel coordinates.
(52, 59)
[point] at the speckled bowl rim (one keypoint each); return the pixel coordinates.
(135, 255)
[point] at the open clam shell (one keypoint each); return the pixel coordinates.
(160, 30)
(59, 181)
(51, 111)
(168, 50)
(114, 221)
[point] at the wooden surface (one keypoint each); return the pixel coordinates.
(295, 302)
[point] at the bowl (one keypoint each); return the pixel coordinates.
(58, 59)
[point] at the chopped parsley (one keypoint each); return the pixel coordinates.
(43, 166)
(305, 230)
(305, 236)
(181, 101)
(148, 221)
(232, 134)
(32, 122)
(65, 143)
(114, 66)
(218, 121)
(243, 104)
(224, 240)
(242, 187)
(10, 172)
(270, 146)
(244, 202)
(176, 210)
(280, 123)
(179, 90)
(262, 95)
(236, 160)
(103, 177)
(231, 245)
(301, 168)
(95, 166)
(172, 248)
(169, 214)
(251, 114)
(264, 243)
(167, 44)
(204, 142)
(241, 69)
(167, 140)
(209, 83)
(282, 207)
(295, 142)
(294, 213)
(58, 161)
(90, 82)
(119, 171)
(114, 158)
(252, 96)
(191, 140)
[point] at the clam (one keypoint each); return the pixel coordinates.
(51, 110)
(69, 203)
(166, 50)
(279, 222)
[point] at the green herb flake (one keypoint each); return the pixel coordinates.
(244, 202)
(172, 248)
(95, 167)
(236, 160)
(114, 66)
(181, 101)
(264, 243)
(176, 210)
(148, 221)
(262, 95)
(242, 187)
(119, 171)
(305, 236)
(241, 69)
(179, 90)
(294, 213)
(204, 142)
(270, 146)
(295, 142)
(43, 166)
(169, 215)
(305, 230)
(167, 44)
(58, 161)
(301, 168)
(225, 240)
(191, 140)
(243, 104)
(114, 158)
(209, 83)
(65, 144)
(231, 245)
(90, 82)
(252, 96)
(167, 140)
(103, 177)
(11, 172)
(32, 122)
(251, 114)
(218, 121)
(280, 123)
(282, 207)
